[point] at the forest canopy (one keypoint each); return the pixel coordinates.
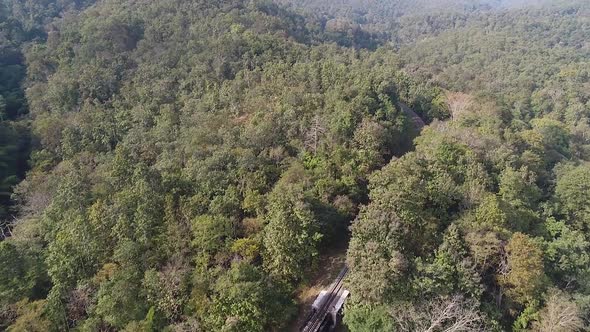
(183, 165)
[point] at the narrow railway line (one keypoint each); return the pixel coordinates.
(322, 312)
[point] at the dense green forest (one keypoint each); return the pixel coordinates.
(182, 165)
(482, 226)
(20, 22)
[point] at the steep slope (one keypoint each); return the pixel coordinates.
(20, 22)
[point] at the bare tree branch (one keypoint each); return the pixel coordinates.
(559, 315)
(444, 314)
(459, 103)
(314, 134)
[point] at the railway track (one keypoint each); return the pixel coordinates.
(316, 322)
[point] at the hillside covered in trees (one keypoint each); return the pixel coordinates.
(181, 165)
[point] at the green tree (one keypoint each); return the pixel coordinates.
(567, 254)
(525, 277)
(363, 318)
(451, 271)
(377, 266)
(22, 274)
(291, 235)
(573, 195)
(31, 317)
(245, 301)
(518, 187)
(120, 298)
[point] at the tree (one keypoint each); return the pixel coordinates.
(554, 136)
(492, 214)
(446, 313)
(454, 314)
(246, 301)
(518, 187)
(560, 314)
(31, 317)
(459, 104)
(211, 234)
(450, 272)
(291, 235)
(573, 194)
(525, 277)
(363, 318)
(376, 269)
(121, 299)
(22, 274)
(167, 289)
(567, 255)
(12, 151)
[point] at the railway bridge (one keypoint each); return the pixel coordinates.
(327, 308)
